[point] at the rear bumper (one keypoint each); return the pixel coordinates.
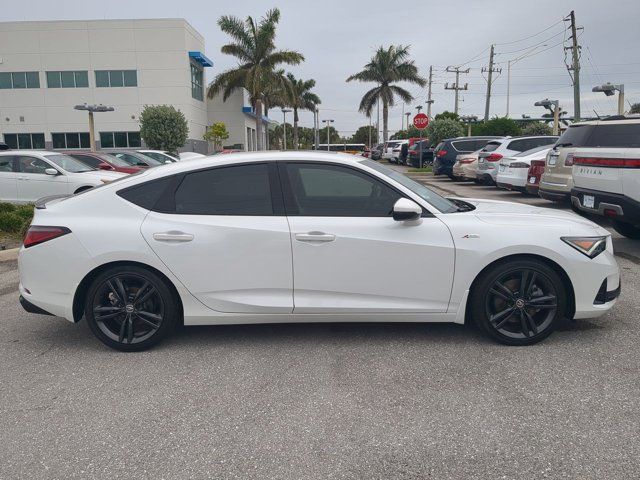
(554, 196)
(485, 177)
(626, 209)
(532, 189)
(31, 308)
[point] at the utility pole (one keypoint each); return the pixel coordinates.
(328, 122)
(369, 131)
(575, 66)
(408, 114)
(456, 86)
(429, 100)
(489, 71)
(284, 127)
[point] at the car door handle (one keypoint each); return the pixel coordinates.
(173, 237)
(315, 237)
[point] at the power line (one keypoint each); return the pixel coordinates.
(531, 36)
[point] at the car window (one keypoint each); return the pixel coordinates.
(28, 164)
(88, 159)
(491, 146)
(6, 163)
(68, 163)
(235, 190)
(337, 191)
(479, 144)
(147, 194)
(157, 156)
(464, 145)
(518, 145)
(134, 159)
(615, 136)
(531, 151)
(113, 160)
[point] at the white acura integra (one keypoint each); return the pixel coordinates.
(306, 237)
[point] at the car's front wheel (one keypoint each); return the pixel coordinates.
(627, 229)
(518, 302)
(130, 308)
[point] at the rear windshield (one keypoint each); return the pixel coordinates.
(615, 135)
(68, 163)
(526, 153)
(491, 146)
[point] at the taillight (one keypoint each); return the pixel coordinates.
(568, 162)
(441, 153)
(38, 234)
(493, 157)
(608, 162)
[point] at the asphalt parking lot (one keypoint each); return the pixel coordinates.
(323, 401)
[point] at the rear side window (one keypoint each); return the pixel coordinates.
(519, 145)
(236, 190)
(88, 159)
(6, 163)
(491, 146)
(146, 195)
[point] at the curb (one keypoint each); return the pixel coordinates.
(8, 255)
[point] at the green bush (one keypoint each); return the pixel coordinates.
(25, 212)
(10, 222)
(25, 226)
(7, 207)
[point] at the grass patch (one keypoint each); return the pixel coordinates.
(421, 170)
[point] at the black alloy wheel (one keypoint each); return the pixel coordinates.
(521, 302)
(130, 308)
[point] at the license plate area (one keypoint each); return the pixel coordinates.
(588, 201)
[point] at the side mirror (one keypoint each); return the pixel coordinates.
(51, 171)
(142, 164)
(406, 210)
(104, 166)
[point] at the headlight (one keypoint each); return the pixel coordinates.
(589, 246)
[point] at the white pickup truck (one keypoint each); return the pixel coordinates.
(606, 181)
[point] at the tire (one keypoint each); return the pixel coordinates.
(627, 229)
(514, 316)
(122, 325)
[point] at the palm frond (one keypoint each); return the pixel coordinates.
(235, 27)
(404, 95)
(369, 100)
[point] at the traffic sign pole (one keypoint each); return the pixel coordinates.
(420, 121)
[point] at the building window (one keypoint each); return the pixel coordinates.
(120, 140)
(24, 141)
(19, 80)
(116, 78)
(68, 79)
(71, 140)
(197, 89)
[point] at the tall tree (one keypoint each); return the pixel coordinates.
(302, 98)
(387, 67)
(277, 93)
(254, 46)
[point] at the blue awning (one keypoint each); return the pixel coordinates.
(201, 59)
(250, 111)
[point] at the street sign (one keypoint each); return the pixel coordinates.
(420, 121)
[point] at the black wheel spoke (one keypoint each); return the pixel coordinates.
(145, 297)
(530, 284)
(503, 292)
(130, 329)
(523, 324)
(113, 313)
(123, 325)
(546, 301)
(140, 292)
(149, 316)
(114, 290)
(524, 282)
(530, 321)
(121, 289)
(147, 321)
(499, 319)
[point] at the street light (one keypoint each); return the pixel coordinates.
(328, 122)
(609, 89)
(546, 103)
(526, 54)
(284, 126)
(419, 107)
(468, 119)
(91, 109)
(408, 114)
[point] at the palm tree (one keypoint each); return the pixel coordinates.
(387, 66)
(302, 99)
(277, 93)
(253, 45)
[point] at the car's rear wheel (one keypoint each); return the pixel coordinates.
(518, 302)
(130, 308)
(627, 229)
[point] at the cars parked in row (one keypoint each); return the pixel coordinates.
(103, 161)
(494, 151)
(145, 264)
(513, 171)
(446, 152)
(28, 175)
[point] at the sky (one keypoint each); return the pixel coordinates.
(338, 38)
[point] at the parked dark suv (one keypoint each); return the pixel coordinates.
(445, 153)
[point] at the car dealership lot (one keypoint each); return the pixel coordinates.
(324, 400)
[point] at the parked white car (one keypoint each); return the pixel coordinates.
(159, 155)
(513, 171)
(190, 155)
(606, 181)
(306, 237)
(387, 151)
(495, 150)
(28, 175)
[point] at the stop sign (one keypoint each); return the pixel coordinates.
(420, 121)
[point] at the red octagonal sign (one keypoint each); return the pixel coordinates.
(420, 121)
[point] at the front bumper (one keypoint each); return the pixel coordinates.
(626, 209)
(553, 195)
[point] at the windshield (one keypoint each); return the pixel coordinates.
(135, 160)
(159, 157)
(68, 164)
(441, 203)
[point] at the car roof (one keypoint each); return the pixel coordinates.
(30, 152)
(615, 120)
